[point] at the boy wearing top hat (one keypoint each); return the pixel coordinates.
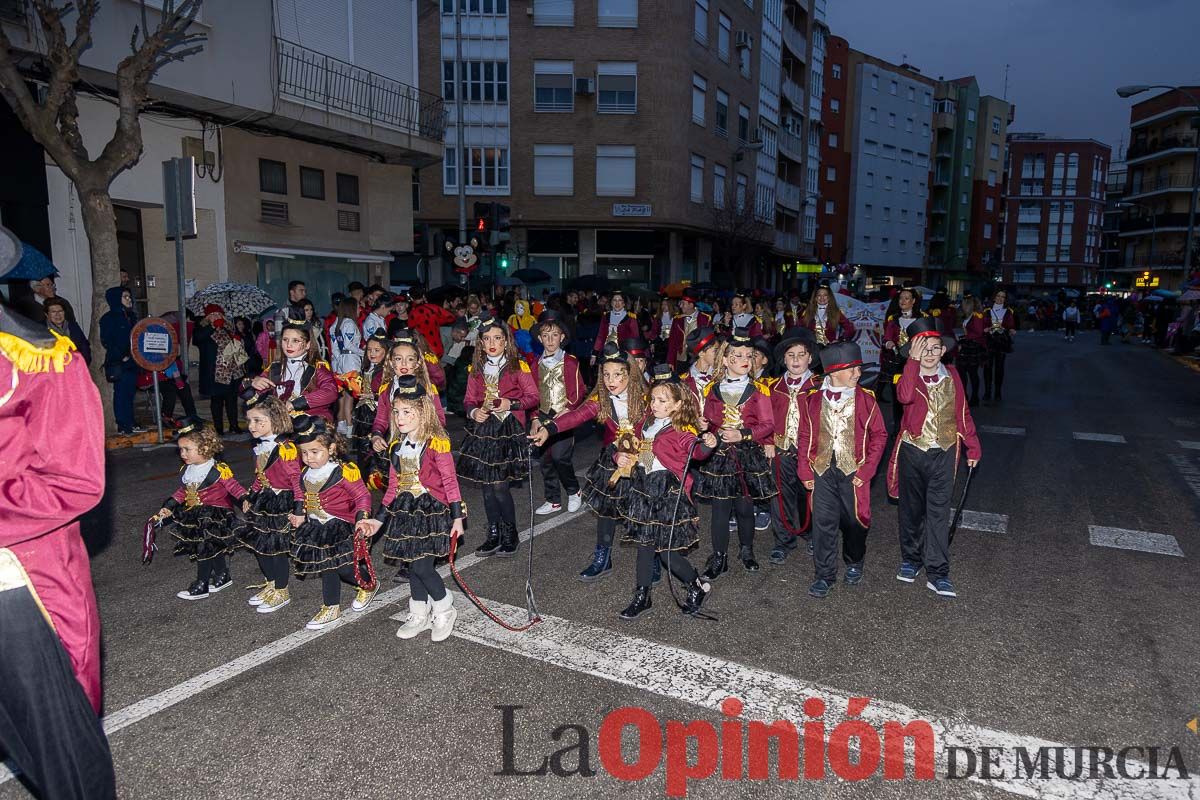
(705, 345)
(842, 439)
(921, 472)
(797, 352)
(688, 320)
(560, 388)
(637, 350)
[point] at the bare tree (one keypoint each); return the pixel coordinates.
(52, 117)
(739, 235)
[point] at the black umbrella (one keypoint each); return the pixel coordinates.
(532, 275)
(589, 283)
(445, 292)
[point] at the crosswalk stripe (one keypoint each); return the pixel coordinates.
(1122, 539)
(1189, 445)
(1189, 471)
(1114, 438)
(984, 521)
(1000, 429)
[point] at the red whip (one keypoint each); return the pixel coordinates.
(474, 598)
(362, 555)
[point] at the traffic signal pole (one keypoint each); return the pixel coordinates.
(460, 150)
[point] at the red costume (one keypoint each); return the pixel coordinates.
(427, 319)
(677, 341)
(843, 331)
(437, 475)
(573, 383)
(515, 384)
(626, 329)
(318, 393)
(870, 440)
(383, 409)
(758, 420)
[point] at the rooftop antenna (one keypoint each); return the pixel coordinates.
(1006, 66)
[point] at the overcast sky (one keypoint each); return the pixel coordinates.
(1067, 56)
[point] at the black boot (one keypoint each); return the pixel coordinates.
(401, 574)
(220, 580)
(747, 557)
(716, 565)
(491, 544)
(697, 593)
(640, 605)
(508, 540)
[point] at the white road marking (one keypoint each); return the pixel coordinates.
(1185, 422)
(1189, 445)
(140, 710)
(1189, 471)
(1001, 430)
(1145, 541)
(984, 521)
(704, 681)
(1114, 438)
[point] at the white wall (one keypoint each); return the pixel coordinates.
(140, 186)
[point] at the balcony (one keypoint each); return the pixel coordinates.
(1162, 222)
(787, 242)
(941, 179)
(1175, 181)
(943, 153)
(1137, 153)
(402, 122)
(1171, 259)
(790, 145)
(944, 121)
(937, 237)
(793, 94)
(787, 194)
(938, 209)
(793, 40)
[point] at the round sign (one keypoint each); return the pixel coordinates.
(153, 344)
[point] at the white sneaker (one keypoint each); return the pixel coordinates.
(443, 617)
(418, 619)
(548, 508)
(574, 502)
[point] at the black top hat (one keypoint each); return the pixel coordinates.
(190, 425)
(408, 388)
(257, 399)
(841, 355)
(549, 317)
(690, 294)
(794, 337)
(612, 354)
(662, 373)
(306, 428)
(922, 327)
(701, 338)
(636, 347)
(740, 338)
(762, 345)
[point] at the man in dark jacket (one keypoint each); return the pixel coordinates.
(116, 326)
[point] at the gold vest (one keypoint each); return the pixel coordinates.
(791, 423)
(939, 429)
(732, 414)
(836, 441)
(903, 338)
(408, 475)
(491, 393)
(689, 325)
(260, 466)
(191, 495)
(819, 324)
(614, 330)
(552, 388)
(312, 501)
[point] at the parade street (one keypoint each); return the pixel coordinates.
(1077, 566)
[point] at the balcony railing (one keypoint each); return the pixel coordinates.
(787, 194)
(1174, 180)
(342, 88)
(1158, 145)
(787, 242)
(790, 145)
(1161, 222)
(793, 94)
(794, 40)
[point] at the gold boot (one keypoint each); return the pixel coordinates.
(277, 599)
(326, 616)
(263, 592)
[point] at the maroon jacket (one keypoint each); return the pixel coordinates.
(975, 328)
(587, 410)
(344, 495)
(437, 375)
(437, 475)
(383, 411)
(1008, 322)
(516, 383)
(219, 489)
(576, 388)
(870, 440)
(675, 342)
(844, 331)
(949, 318)
(282, 470)
(758, 421)
(913, 395)
(319, 392)
(671, 447)
(781, 397)
(891, 328)
(626, 330)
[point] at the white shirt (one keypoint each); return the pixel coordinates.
(321, 474)
(265, 445)
(822, 313)
(998, 315)
(656, 427)
(294, 371)
(411, 449)
(841, 391)
(615, 318)
(621, 404)
(665, 319)
(553, 361)
(742, 320)
(373, 323)
(702, 379)
(195, 473)
(492, 366)
(906, 320)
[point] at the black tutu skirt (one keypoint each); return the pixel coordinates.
(495, 451)
(202, 532)
(734, 471)
(971, 354)
(652, 507)
(415, 527)
(370, 462)
(266, 530)
(605, 499)
(318, 547)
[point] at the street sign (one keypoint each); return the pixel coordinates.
(631, 210)
(179, 197)
(153, 344)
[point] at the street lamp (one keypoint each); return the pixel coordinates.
(1137, 88)
(1153, 225)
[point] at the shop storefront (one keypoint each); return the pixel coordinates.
(323, 271)
(633, 259)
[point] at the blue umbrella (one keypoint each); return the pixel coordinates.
(33, 265)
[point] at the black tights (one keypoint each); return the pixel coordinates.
(681, 568)
(211, 566)
(424, 580)
(722, 511)
(972, 376)
(331, 584)
(498, 504)
(605, 529)
(276, 568)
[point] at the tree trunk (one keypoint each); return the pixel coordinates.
(100, 224)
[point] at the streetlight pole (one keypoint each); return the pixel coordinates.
(1130, 91)
(1153, 226)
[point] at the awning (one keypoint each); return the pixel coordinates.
(284, 251)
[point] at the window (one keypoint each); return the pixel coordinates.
(872, 114)
(834, 106)
(722, 115)
(922, 160)
(739, 193)
(987, 230)
(970, 142)
(830, 174)
(908, 124)
(992, 177)
(1072, 173)
(479, 81)
(962, 199)
(927, 99)
(552, 86)
(870, 147)
(617, 14)
(448, 80)
(962, 225)
(554, 12)
(904, 215)
(718, 186)
(347, 189)
(449, 172)
(893, 88)
(743, 123)
(903, 245)
(1059, 178)
(828, 240)
(744, 61)
(312, 183)
(724, 34)
(828, 206)
(486, 168)
(887, 182)
(904, 185)
(918, 246)
(875, 82)
(994, 152)
(906, 156)
(889, 152)
(944, 106)
(887, 213)
(989, 204)
(616, 87)
(996, 125)
(700, 21)
(616, 170)
(921, 189)
(699, 87)
(836, 71)
(883, 244)
(870, 179)
(553, 169)
(970, 115)
(833, 140)
(925, 130)
(868, 211)
(272, 176)
(697, 188)
(891, 120)
(866, 243)
(486, 7)
(912, 94)
(966, 170)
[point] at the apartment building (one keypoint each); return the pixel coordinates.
(1054, 209)
(642, 152)
(1112, 267)
(987, 193)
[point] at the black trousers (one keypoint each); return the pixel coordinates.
(993, 373)
(971, 375)
(926, 485)
(789, 509)
(224, 398)
(170, 392)
(331, 584)
(681, 568)
(833, 511)
(47, 725)
(558, 466)
(1070, 331)
(424, 580)
(722, 512)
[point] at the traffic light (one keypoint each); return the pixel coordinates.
(502, 260)
(483, 219)
(500, 224)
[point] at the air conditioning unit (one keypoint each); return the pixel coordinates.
(585, 86)
(194, 146)
(743, 39)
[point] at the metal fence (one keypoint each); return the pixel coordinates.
(343, 88)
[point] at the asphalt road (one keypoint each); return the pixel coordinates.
(1053, 640)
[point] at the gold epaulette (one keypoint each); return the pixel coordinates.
(439, 444)
(29, 358)
(594, 396)
(977, 315)
(350, 471)
(763, 387)
(708, 389)
(524, 365)
(383, 387)
(690, 429)
(431, 358)
(937, 312)
(324, 364)
(891, 318)
(868, 391)
(432, 388)
(287, 451)
(224, 471)
(470, 368)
